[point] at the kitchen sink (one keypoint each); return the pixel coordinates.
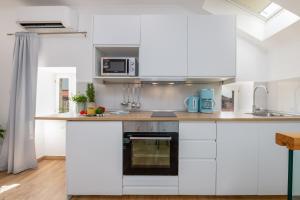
(270, 114)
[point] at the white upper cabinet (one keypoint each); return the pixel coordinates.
(117, 29)
(163, 49)
(211, 46)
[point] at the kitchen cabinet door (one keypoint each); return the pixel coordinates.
(273, 159)
(94, 158)
(163, 50)
(190, 130)
(117, 30)
(237, 158)
(197, 176)
(211, 46)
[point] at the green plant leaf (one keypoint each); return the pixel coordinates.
(79, 98)
(90, 93)
(2, 132)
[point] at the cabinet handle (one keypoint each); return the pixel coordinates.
(151, 138)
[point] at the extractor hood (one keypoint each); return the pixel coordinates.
(164, 80)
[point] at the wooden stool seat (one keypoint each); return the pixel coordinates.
(290, 140)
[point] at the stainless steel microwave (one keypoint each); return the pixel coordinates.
(119, 66)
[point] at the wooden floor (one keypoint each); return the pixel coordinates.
(48, 183)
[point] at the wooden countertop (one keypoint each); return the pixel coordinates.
(290, 140)
(181, 116)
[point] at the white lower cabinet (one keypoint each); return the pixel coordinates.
(223, 158)
(94, 158)
(197, 153)
(197, 176)
(237, 158)
(248, 160)
(273, 159)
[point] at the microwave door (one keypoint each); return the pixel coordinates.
(114, 67)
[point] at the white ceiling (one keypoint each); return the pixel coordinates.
(95, 3)
(291, 5)
(255, 6)
(119, 6)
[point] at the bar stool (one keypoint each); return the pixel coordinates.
(292, 142)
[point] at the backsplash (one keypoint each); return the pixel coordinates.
(158, 97)
(284, 95)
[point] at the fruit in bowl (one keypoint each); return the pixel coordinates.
(100, 110)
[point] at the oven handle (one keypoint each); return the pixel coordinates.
(151, 138)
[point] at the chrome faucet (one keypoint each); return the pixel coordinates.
(254, 109)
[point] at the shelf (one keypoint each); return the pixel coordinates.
(113, 51)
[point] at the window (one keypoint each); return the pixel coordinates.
(271, 10)
(63, 95)
(264, 9)
(228, 101)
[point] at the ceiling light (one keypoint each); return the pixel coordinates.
(154, 83)
(171, 83)
(271, 10)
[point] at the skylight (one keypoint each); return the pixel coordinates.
(271, 10)
(260, 19)
(264, 9)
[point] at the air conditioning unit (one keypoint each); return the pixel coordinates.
(47, 19)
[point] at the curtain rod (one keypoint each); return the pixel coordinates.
(55, 33)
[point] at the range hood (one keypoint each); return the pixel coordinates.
(164, 80)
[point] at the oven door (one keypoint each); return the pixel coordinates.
(150, 154)
(114, 66)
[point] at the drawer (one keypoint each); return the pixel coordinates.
(197, 130)
(147, 190)
(150, 181)
(197, 149)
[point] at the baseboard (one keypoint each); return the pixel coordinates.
(51, 158)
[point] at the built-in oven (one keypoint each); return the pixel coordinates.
(150, 148)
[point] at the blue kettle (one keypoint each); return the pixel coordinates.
(192, 103)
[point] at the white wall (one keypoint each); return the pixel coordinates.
(252, 62)
(283, 56)
(50, 139)
(284, 95)
(163, 97)
(50, 135)
(70, 51)
(7, 21)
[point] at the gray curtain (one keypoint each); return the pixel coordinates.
(18, 149)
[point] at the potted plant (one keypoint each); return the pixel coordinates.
(90, 93)
(2, 132)
(80, 100)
